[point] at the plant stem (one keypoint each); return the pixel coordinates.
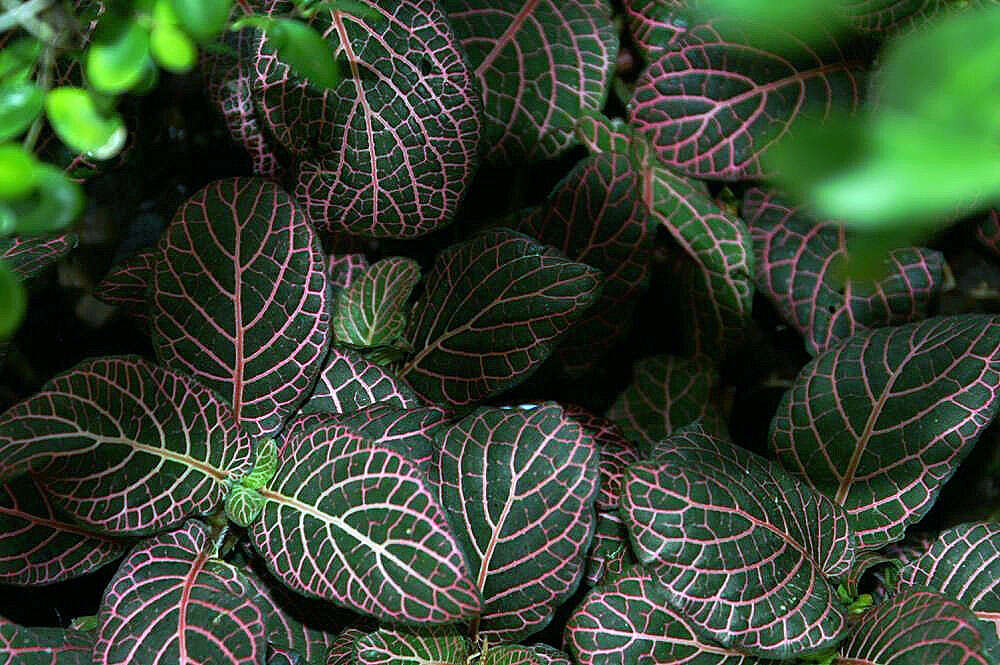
(22, 14)
(44, 82)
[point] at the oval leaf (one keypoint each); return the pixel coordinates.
(742, 548)
(541, 63)
(656, 24)
(350, 383)
(801, 265)
(518, 486)
(881, 422)
(171, 601)
(124, 445)
(355, 524)
(239, 299)
(712, 104)
(492, 310)
(390, 150)
(963, 563)
(75, 118)
(628, 622)
(20, 104)
(372, 310)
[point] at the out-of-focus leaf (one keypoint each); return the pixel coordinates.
(239, 299)
(18, 57)
(744, 550)
(884, 16)
(767, 21)
(203, 19)
(20, 104)
(21, 645)
(28, 255)
(988, 231)
(518, 485)
(173, 601)
(541, 64)
(803, 267)
(667, 393)
(881, 422)
(55, 203)
(116, 59)
(172, 49)
(371, 311)
(492, 310)
(113, 453)
(301, 47)
(18, 176)
(76, 120)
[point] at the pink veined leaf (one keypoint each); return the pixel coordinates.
(492, 310)
(742, 548)
(616, 453)
(127, 284)
(39, 546)
(509, 654)
(540, 63)
(881, 422)
(610, 543)
(712, 104)
(546, 655)
(409, 432)
(354, 523)
(343, 269)
(596, 215)
(627, 621)
(349, 383)
(371, 312)
(915, 627)
(240, 299)
(171, 601)
(884, 16)
(988, 231)
(962, 563)
(342, 650)
(390, 150)
(800, 263)
(656, 24)
(21, 645)
(416, 645)
(125, 446)
(518, 485)
(29, 255)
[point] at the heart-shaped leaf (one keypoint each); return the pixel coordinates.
(40, 546)
(595, 215)
(712, 104)
(666, 393)
(124, 445)
(916, 627)
(628, 622)
(402, 646)
(409, 432)
(390, 150)
(239, 299)
(741, 547)
(28, 255)
(171, 601)
(518, 485)
(656, 24)
(718, 277)
(126, 285)
(353, 523)
(881, 422)
(492, 310)
(349, 383)
(372, 310)
(616, 453)
(801, 265)
(541, 63)
(963, 563)
(21, 645)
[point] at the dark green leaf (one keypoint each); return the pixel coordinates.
(18, 57)
(20, 104)
(350, 383)
(284, 615)
(29, 255)
(12, 301)
(20, 645)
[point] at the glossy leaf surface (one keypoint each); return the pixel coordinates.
(349, 383)
(712, 104)
(409, 432)
(124, 445)
(239, 299)
(518, 485)
(372, 310)
(742, 548)
(401, 646)
(801, 265)
(21, 645)
(540, 63)
(285, 629)
(353, 523)
(882, 421)
(616, 453)
(172, 602)
(492, 310)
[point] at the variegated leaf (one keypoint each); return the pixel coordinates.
(412, 646)
(409, 432)
(286, 627)
(29, 255)
(21, 645)
(349, 383)
(126, 285)
(371, 311)
(616, 453)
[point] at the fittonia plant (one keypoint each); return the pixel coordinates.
(323, 459)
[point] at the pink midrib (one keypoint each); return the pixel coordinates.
(507, 36)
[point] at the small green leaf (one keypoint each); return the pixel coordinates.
(352, 7)
(18, 171)
(75, 118)
(371, 312)
(20, 104)
(203, 19)
(244, 505)
(12, 301)
(301, 47)
(263, 467)
(17, 59)
(117, 58)
(55, 203)
(172, 48)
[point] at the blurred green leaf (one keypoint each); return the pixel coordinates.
(20, 104)
(172, 48)
(75, 118)
(764, 21)
(18, 171)
(203, 19)
(54, 204)
(116, 59)
(12, 301)
(352, 7)
(299, 46)
(17, 58)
